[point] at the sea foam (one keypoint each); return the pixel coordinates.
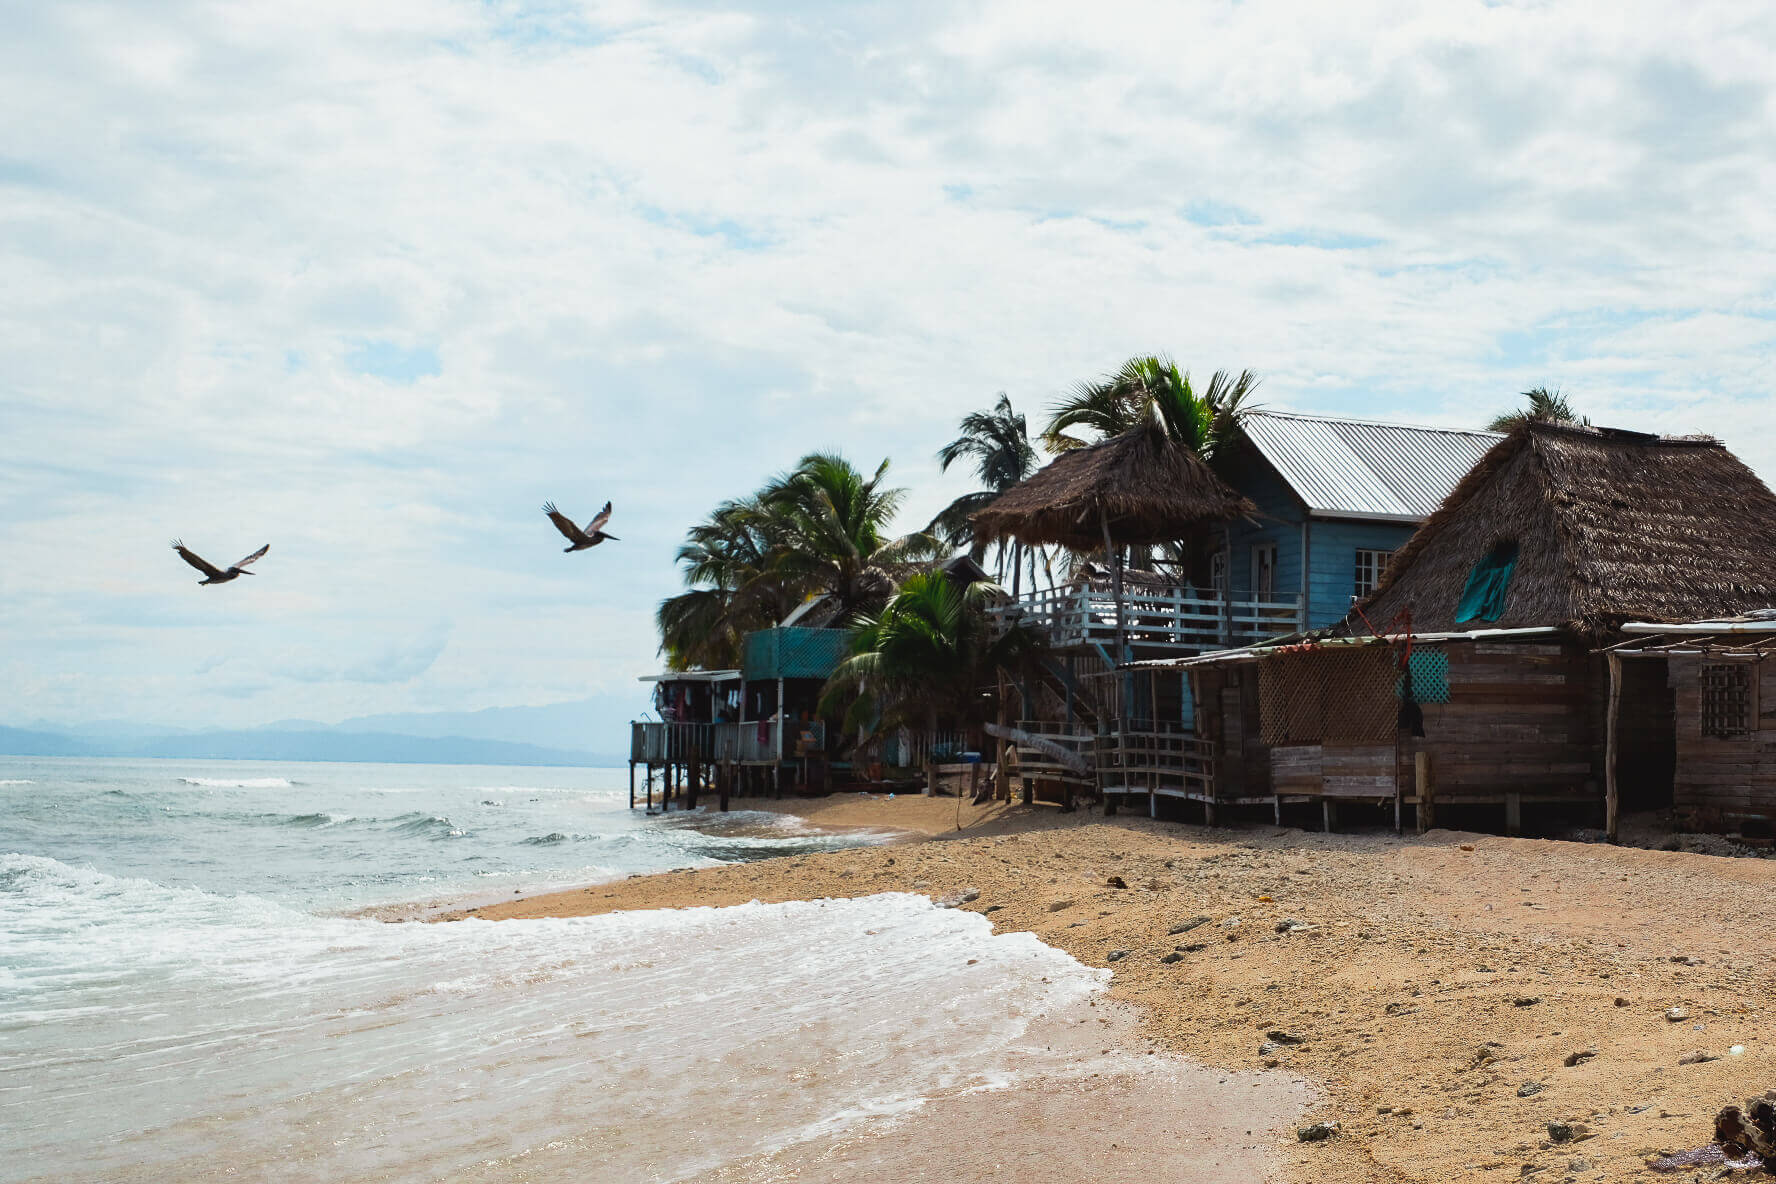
(603, 1040)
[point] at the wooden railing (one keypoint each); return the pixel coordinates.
(1084, 612)
(748, 743)
(1155, 759)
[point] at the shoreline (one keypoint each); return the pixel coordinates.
(1436, 984)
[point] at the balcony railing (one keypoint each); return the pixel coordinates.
(748, 743)
(1174, 618)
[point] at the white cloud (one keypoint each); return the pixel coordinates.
(373, 281)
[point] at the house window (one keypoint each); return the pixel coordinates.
(1728, 690)
(1218, 571)
(1370, 565)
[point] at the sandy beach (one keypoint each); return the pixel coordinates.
(1432, 990)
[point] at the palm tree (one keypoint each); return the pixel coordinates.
(727, 562)
(830, 529)
(998, 442)
(1541, 405)
(1153, 389)
(924, 656)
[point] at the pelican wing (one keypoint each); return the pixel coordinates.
(255, 557)
(597, 524)
(563, 523)
(197, 561)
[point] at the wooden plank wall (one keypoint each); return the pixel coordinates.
(1520, 719)
(1720, 782)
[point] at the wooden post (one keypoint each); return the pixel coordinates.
(1513, 813)
(1002, 770)
(693, 772)
(650, 789)
(1421, 778)
(1328, 814)
(632, 785)
(1612, 799)
(724, 782)
(782, 719)
(1115, 557)
(1227, 587)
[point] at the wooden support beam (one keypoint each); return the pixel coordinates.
(1427, 792)
(632, 785)
(1328, 814)
(1612, 797)
(1513, 813)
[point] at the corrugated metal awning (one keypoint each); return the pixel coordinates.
(1353, 468)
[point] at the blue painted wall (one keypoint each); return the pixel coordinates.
(1332, 563)
(1332, 545)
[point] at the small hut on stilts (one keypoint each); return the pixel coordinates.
(1138, 489)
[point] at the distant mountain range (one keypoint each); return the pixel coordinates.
(495, 736)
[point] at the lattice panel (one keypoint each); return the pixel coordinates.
(794, 652)
(1328, 696)
(1728, 708)
(1430, 677)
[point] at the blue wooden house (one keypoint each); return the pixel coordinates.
(1338, 497)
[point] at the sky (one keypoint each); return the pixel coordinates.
(372, 281)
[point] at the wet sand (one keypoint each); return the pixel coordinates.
(1437, 985)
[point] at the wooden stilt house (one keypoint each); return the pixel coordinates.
(1483, 635)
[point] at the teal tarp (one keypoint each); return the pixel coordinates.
(1484, 597)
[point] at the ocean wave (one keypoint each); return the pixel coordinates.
(17, 781)
(431, 826)
(240, 782)
(547, 840)
(316, 820)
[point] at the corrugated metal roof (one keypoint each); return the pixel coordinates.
(1359, 468)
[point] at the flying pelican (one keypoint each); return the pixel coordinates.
(581, 539)
(214, 574)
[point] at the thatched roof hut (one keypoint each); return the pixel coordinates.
(1599, 526)
(1147, 488)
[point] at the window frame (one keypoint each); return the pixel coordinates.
(1379, 560)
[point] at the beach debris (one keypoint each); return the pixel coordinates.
(1485, 1055)
(1116, 882)
(1467, 846)
(1530, 1089)
(1319, 1132)
(580, 540)
(1187, 926)
(959, 898)
(1677, 1014)
(1580, 1057)
(1172, 957)
(1116, 955)
(1055, 906)
(1526, 1001)
(1621, 1002)
(1738, 1050)
(1568, 1132)
(1282, 1037)
(1194, 947)
(1581, 1164)
(214, 574)
(1698, 1057)
(1291, 925)
(1749, 1130)
(1686, 960)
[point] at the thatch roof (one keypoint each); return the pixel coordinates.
(1611, 526)
(1152, 489)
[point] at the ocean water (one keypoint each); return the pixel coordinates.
(190, 988)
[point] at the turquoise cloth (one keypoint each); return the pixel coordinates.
(1484, 597)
